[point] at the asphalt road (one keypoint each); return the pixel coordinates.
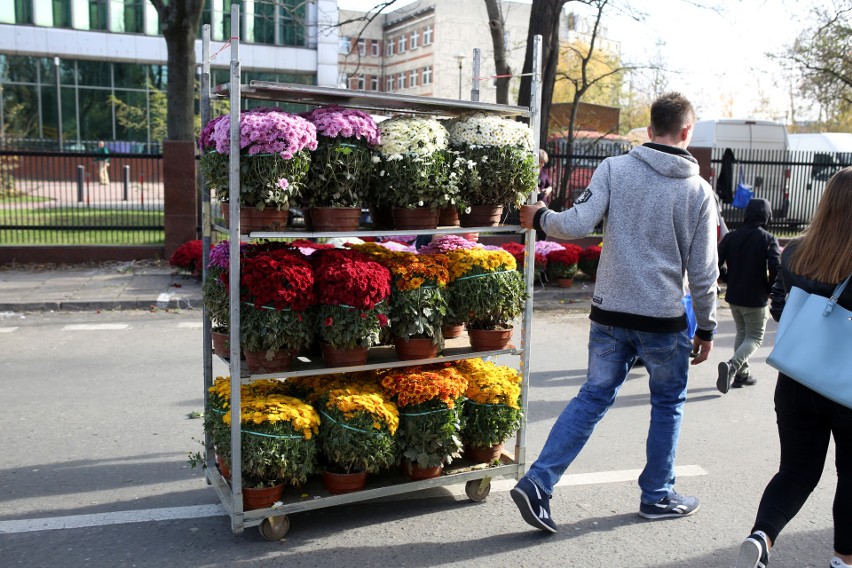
(95, 425)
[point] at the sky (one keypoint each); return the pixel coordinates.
(717, 58)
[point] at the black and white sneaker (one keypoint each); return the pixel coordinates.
(533, 504)
(741, 381)
(726, 376)
(754, 552)
(670, 507)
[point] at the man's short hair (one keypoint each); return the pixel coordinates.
(669, 113)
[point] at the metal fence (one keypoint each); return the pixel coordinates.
(793, 182)
(52, 198)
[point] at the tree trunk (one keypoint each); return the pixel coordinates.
(544, 21)
(495, 24)
(181, 85)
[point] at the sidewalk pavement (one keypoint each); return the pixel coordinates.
(155, 285)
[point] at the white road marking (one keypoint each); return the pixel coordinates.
(115, 518)
(7, 329)
(95, 326)
(190, 324)
(202, 511)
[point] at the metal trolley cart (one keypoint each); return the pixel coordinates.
(274, 523)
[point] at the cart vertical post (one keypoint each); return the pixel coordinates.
(206, 235)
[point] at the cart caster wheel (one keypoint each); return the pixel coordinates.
(274, 528)
(477, 489)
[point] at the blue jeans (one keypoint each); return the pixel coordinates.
(612, 352)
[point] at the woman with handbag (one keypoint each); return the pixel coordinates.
(818, 263)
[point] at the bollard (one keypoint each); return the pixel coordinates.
(141, 190)
(81, 180)
(125, 177)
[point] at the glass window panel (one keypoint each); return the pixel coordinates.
(264, 23)
(67, 72)
(18, 68)
(135, 130)
(159, 77)
(48, 112)
(98, 15)
(69, 117)
(134, 16)
(20, 111)
(292, 23)
(61, 14)
(130, 75)
(95, 114)
(23, 11)
(94, 73)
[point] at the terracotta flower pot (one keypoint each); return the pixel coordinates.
(448, 217)
(483, 455)
(415, 473)
(280, 361)
(413, 219)
(489, 339)
(253, 219)
(343, 357)
(223, 467)
(337, 483)
(335, 218)
(452, 331)
(221, 344)
(564, 282)
(481, 216)
(415, 348)
(261, 498)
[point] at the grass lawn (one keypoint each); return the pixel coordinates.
(82, 226)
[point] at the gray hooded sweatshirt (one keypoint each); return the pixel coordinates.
(659, 223)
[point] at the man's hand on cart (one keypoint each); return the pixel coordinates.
(528, 214)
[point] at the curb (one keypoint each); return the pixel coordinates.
(102, 305)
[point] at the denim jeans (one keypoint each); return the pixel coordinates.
(751, 325)
(612, 352)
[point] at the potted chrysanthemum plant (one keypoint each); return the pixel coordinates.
(492, 410)
(274, 160)
(357, 428)
(562, 266)
(489, 293)
(589, 259)
(411, 172)
(341, 165)
(278, 295)
(188, 257)
(430, 404)
(214, 294)
(502, 169)
(353, 294)
(453, 325)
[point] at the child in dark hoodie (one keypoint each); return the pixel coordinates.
(748, 262)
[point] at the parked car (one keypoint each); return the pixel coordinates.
(816, 157)
(760, 150)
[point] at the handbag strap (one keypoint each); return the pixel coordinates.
(835, 296)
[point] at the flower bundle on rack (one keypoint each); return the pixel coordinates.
(442, 244)
(589, 259)
(214, 291)
(357, 428)
(277, 288)
(412, 166)
(342, 162)
(275, 148)
(492, 410)
(417, 303)
(518, 250)
(500, 151)
(429, 400)
(485, 289)
(353, 294)
(188, 257)
(562, 263)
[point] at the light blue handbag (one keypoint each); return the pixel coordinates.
(813, 344)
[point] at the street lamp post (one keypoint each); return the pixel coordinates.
(58, 102)
(460, 58)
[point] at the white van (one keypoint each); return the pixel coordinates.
(754, 142)
(815, 158)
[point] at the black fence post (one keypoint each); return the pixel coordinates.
(81, 182)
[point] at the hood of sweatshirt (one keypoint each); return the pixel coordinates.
(758, 212)
(673, 165)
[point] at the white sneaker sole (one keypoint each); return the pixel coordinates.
(749, 556)
(523, 502)
(670, 515)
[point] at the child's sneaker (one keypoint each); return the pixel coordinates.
(754, 552)
(674, 505)
(534, 505)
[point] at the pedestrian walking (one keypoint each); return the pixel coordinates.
(102, 161)
(816, 263)
(660, 225)
(748, 263)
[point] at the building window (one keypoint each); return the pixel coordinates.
(389, 83)
(133, 17)
(23, 13)
(344, 45)
(362, 47)
(61, 14)
(390, 47)
(427, 75)
(415, 39)
(375, 48)
(361, 83)
(374, 83)
(400, 44)
(412, 78)
(97, 15)
(400, 80)
(427, 35)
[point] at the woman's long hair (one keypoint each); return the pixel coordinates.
(824, 252)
